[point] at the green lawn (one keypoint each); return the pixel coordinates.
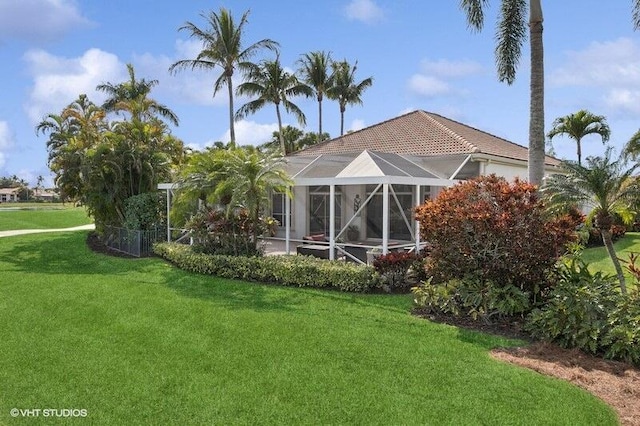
(41, 216)
(140, 342)
(598, 259)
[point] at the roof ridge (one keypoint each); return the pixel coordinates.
(468, 144)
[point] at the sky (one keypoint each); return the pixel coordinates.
(420, 54)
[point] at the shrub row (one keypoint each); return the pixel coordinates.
(297, 271)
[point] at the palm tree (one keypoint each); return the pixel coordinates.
(511, 34)
(272, 84)
(605, 187)
(578, 125)
(636, 14)
(132, 97)
(632, 148)
(345, 89)
(222, 46)
(315, 72)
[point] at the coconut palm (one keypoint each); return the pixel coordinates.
(632, 148)
(511, 34)
(603, 186)
(132, 96)
(578, 125)
(315, 71)
(345, 89)
(270, 83)
(222, 46)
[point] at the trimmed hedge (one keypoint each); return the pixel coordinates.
(296, 271)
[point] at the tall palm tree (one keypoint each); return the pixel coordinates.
(222, 45)
(315, 71)
(511, 34)
(345, 89)
(132, 96)
(605, 187)
(636, 14)
(272, 84)
(578, 125)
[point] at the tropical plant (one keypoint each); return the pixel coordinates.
(131, 96)
(345, 89)
(632, 148)
(314, 69)
(270, 83)
(511, 34)
(604, 187)
(294, 139)
(222, 46)
(577, 126)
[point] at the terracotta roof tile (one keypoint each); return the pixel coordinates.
(425, 134)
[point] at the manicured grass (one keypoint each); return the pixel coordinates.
(140, 342)
(598, 259)
(41, 216)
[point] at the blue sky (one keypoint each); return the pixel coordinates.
(421, 55)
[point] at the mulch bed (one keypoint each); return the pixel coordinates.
(616, 383)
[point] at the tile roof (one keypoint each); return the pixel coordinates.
(424, 134)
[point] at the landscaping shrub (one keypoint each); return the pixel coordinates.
(217, 232)
(576, 315)
(595, 237)
(144, 211)
(470, 297)
(488, 231)
(396, 270)
(298, 271)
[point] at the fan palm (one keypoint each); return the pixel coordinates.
(270, 83)
(605, 187)
(315, 72)
(222, 46)
(578, 125)
(345, 89)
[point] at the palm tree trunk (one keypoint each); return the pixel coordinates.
(536, 118)
(283, 147)
(342, 108)
(608, 243)
(232, 130)
(319, 119)
(579, 151)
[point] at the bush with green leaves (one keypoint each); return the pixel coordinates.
(144, 211)
(298, 271)
(576, 315)
(233, 233)
(480, 300)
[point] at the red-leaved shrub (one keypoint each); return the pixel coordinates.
(490, 230)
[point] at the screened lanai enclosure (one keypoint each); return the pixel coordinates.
(353, 203)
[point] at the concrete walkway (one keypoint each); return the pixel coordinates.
(37, 231)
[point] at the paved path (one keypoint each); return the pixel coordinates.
(37, 231)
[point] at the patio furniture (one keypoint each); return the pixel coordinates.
(315, 250)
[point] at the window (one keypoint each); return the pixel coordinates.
(279, 208)
(319, 209)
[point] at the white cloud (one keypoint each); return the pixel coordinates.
(434, 76)
(610, 70)
(39, 20)
(356, 124)
(58, 81)
(251, 133)
(364, 10)
(6, 141)
(428, 86)
(446, 68)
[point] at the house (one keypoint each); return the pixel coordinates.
(9, 195)
(370, 180)
(44, 195)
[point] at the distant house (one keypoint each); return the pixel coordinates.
(9, 195)
(44, 195)
(371, 179)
